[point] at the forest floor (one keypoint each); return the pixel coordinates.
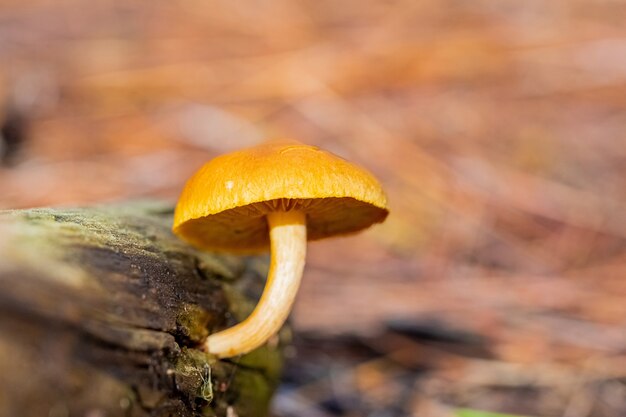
(497, 283)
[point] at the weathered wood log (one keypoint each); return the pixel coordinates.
(102, 311)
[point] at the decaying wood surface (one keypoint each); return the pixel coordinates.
(102, 311)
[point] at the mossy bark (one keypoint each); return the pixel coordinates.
(102, 312)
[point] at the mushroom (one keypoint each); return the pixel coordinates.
(276, 194)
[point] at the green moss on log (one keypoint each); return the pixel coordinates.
(122, 306)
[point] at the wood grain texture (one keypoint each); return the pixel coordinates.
(102, 311)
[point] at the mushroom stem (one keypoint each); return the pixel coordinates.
(288, 250)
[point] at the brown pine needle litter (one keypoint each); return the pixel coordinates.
(497, 128)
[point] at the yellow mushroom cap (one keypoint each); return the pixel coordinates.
(223, 206)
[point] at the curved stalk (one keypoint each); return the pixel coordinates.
(288, 250)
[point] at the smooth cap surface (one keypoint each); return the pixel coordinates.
(223, 206)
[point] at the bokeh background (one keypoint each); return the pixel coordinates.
(497, 127)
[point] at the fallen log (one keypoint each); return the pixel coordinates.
(102, 311)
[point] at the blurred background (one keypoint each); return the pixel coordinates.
(497, 128)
